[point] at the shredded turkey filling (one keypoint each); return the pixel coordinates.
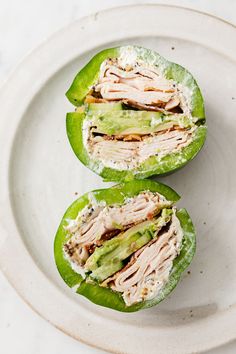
(138, 86)
(149, 268)
(97, 223)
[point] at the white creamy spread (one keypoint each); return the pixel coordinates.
(127, 57)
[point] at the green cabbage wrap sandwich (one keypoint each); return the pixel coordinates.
(125, 247)
(137, 114)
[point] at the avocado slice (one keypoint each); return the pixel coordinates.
(126, 122)
(109, 258)
(105, 107)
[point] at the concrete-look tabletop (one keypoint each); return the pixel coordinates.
(23, 25)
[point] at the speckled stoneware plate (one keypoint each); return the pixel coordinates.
(40, 176)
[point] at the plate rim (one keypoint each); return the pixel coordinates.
(5, 247)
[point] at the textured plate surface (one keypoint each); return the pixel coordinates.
(40, 175)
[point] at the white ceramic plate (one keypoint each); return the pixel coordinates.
(40, 176)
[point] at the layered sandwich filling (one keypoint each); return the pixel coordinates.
(123, 140)
(135, 114)
(128, 247)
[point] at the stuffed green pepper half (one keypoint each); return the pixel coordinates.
(137, 114)
(125, 247)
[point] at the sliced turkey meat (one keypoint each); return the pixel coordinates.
(97, 223)
(125, 155)
(149, 268)
(139, 87)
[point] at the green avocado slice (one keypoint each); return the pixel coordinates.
(117, 194)
(109, 258)
(105, 107)
(135, 122)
